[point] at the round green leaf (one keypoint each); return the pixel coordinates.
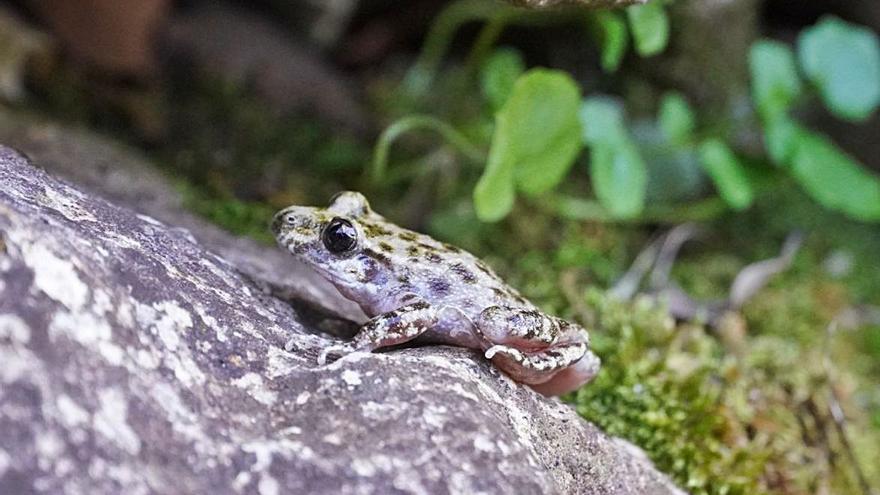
(676, 118)
(650, 27)
(499, 74)
(843, 61)
(543, 133)
(602, 120)
(834, 179)
(619, 177)
(775, 81)
(493, 196)
(537, 137)
(618, 173)
(494, 193)
(729, 176)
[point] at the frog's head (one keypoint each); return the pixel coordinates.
(331, 240)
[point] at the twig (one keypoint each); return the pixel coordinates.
(837, 413)
(413, 122)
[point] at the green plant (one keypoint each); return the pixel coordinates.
(542, 125)
(842, 63)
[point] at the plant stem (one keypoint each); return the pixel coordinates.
(413, 122)
(585, 209)
(497, 16)
(440, 36)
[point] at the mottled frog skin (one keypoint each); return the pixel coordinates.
(411, 285)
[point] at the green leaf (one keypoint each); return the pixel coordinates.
(499, 74)
(650, 27)
(781, 135)
(834, 179)
(613, 37)
(602, 120)
(494, 193)
(544, 132)
(775, 81)
(617, 171)
(843, 61)
(537, 137)
(676, 118)
(728, 174)
(619, 177)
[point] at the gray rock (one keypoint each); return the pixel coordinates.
(103, 167)
(134, 360)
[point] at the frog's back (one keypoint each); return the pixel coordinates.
(440, 273)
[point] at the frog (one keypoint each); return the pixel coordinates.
(412, 287)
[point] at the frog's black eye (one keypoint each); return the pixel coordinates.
(339, 236)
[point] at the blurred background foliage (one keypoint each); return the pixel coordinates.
(556, 145)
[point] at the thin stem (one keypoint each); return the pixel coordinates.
(585, 209)
(497, 16)
(485, 40)
(414, 122)
(440, 36)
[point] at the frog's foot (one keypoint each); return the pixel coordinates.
(538, 367)
(571, 378)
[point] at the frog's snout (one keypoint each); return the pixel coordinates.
(295, 226)
(285, 219)
(278, 222)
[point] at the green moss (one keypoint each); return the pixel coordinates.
(743, 413)
(249, 219)
(659, 387)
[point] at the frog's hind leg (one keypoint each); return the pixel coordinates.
(524, 329)
(394, 327)
(546, 352)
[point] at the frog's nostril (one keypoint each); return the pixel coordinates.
(279, 221)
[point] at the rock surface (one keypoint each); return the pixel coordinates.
(134, 360)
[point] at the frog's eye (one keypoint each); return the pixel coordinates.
(339, 236)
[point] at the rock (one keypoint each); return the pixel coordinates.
(103, 167)
(135, 360)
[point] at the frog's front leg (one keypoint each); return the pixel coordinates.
(546, 352)
(394, 327)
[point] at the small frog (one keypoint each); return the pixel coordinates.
(411, 285)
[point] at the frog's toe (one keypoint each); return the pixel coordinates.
(510, 352)
(533, 368)
(517, 364)
(572, 377)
